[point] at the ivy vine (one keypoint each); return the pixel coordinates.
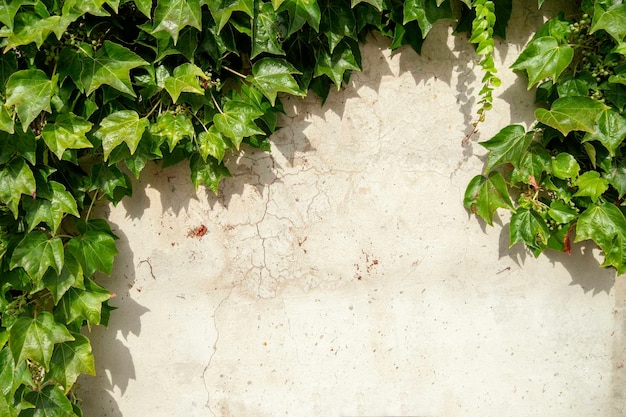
(91, 90)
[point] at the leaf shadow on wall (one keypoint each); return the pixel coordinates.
(113, 360)
(582, 264)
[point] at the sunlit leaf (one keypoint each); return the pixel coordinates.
(343, 58)
(610, 131)
(301, 12)
(184, 80)
(565, 166)
(67, 132)
(34, 338)
(236, 121)
(82, 303)
(16, 178)
(95, 250)
(572, 113)
(71, 276)
(36, 253)
(544, 57)
(30, 92)
(174, 128)
(600, 223)
(70, 360)
(124, 126)
(484, 195)
(528, 227)
(590, 184)
(49, 402)
(212, 143)
(271, 76)
(426, 12)
(612, 20)
(508, 146)
(208, 172)
(173, 15)
(50, 211)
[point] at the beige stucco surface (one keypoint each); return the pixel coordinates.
(340, 275)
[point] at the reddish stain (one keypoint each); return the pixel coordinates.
(198, 231)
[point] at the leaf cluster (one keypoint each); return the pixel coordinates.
(565, 179)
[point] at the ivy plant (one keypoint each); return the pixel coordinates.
(564, 180)
(91, 91)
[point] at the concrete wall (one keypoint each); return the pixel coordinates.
(340, 275)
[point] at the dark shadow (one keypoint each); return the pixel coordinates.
(113, 360)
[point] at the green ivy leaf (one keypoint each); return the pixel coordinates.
(95, 250)
(301, 12)
(565, 166)
(223, 9)
(484, 195)
(610, 131)
(123, 126)
(30, 92)
(271, 75)
(184, 80)
(616, 175)
(343, 58)
(266, 33)
(600, 223)
(615, 254)
(71, 276)
(572, 113)
(6, 121)
(508, 146)
(174, 128)
(612, 20)
(378, 4)
(236, 121)
(70, 360)
(591, 185)
(173, 15)
(110, 65)
(212, 143)
(337, 23)
(561, 212)
(86, 304)
(111, 181)
(16, 178)
(50, 211)
(12, 376)
(67, 132)
(528, 227)
(36, 253)
(544, 57)
(209, 173)
(34, 338)
(533, 163)
(34, 29)
(49, 402)
(8, 10)
(426, 12)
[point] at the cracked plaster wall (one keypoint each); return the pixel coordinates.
(341, 276)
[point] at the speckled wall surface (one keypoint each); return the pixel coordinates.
(340, 275)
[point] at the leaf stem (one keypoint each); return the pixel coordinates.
(234, 72)
(215, 102)
(93, 200)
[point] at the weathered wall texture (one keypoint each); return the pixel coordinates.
(341, 276)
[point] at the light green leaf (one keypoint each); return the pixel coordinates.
(272, 75)
(50, 211)
(528, 227)
(184, 80)
(616, 175)
(561, 212)
(78, 303)
(71, 276)
(484, 195)
(30, 92)
(591, 185)
(6, 121)
(533, 163)
(49, 402)
(12, 376)
(344, 58)
(544, 57)
(8, 10)
(426, 12)
(71, 359)
(610, 131)
(67, 132)
(121, 126)
(266, 33)
(615, 254)
(301, 12)
(144, 6)
(174, 128)
(209, 173)
(34, 338)
(612, 20)
(508, 146)
(572, 113)
(223, 9)
(236, 121)
(173, 15)
(36, 29)
(110, 65)
(36, 253)
(16, 178)
(565, 166)
(95, 250)
(600, 223)
(212, 143)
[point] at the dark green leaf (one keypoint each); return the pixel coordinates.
(337, 23)
(426, 12)
(266, 33)
(71, 359)
(111, 181)
(344, 58)
(34, 338)
(528, 227)
(36, 253)
(508, 146)
(600, 223)
(86, 304)
(71, 276)
(301, 12)
(533, 163)
(572, 113)
(616, 175)
(236, 121)
(50, 211)
(49, 402)
(209, 173)
(612, 20)
(223, 9)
